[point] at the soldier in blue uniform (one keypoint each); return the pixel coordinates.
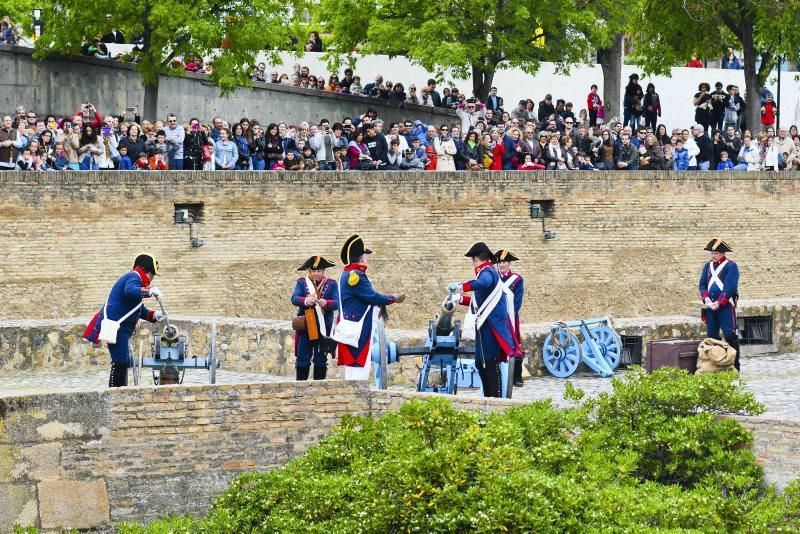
(315, 292)
(719, 291)
(494, 336)
(125, 303)
(358, 300)
(516, 288)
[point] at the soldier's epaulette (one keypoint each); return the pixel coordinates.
(353, 279)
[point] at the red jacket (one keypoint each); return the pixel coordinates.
(497, 155)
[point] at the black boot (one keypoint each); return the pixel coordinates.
(518, 383)
(302, 373)
(119, 375)
(734, 343)
(320, 372)
(481, 371)
(491, 386)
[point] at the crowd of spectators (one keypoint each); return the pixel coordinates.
(486, 135)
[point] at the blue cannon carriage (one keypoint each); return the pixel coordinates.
(443, 353)
(170, 356)
(600, 347)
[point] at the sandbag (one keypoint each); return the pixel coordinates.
(714, 356)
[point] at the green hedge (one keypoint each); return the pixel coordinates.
(652, 455)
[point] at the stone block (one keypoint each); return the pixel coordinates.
(73, 504)
(17, 506)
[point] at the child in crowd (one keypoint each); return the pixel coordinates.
(339, 158)
(125, 163)
(279, 165)
(527, 164)
(141, 162)
(724, 164)
(309, 159)
(60, 159)
(291, 161)
(669, 160)
(25, 161)
(681, 156)
(584, 162)
(157, 161)
(768, 112)
(411, 162)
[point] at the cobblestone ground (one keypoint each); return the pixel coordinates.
(774, 380)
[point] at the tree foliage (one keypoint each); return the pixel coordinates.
(467, 37)
(652, 455)
(229, 31)
(671, 31)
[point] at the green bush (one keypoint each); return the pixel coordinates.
(652, 455)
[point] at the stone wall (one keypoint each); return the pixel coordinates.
(629, 245)
(60, 84)
(85, 460)
(266, 346)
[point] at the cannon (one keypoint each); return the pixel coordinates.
(600, 347)
(441, 353)
(170, 356)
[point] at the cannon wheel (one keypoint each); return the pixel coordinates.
(561, 361)
(212, 355)
(610, 344)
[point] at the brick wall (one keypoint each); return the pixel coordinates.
(628, 244)
(84, 460)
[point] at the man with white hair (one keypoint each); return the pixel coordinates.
(705, 148)
(785, 145)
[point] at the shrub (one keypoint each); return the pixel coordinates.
(654, 454)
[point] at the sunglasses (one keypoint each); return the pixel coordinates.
(444, 129)
(568, 122)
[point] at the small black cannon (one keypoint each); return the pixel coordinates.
(443, 351)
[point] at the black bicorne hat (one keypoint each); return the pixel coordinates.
(718, 245)
(504, 255)
(353, 249)
(479, 248)
(148, 262)
(315, 262)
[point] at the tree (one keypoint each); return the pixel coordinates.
(19, 11)
(672, 30)
(229, 31)
(475, 37)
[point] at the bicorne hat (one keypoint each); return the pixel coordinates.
(353, 249)
(477, 249)
(315, 262)
(718, 245)
(505, 255)
(148, 262)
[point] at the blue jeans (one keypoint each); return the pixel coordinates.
(88, 164)
(176, 164)
(258, 164)
(740, 167)
(703, 166)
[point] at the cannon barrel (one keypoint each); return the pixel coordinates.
(444, 320)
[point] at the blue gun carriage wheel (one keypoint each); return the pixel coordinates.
(610, 344)
(562, 355)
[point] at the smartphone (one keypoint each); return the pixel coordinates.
(195, 126)
(130, 109)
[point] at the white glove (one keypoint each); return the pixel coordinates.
(309, 301)
(156, 293)
(158, 315)
(707, 302)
